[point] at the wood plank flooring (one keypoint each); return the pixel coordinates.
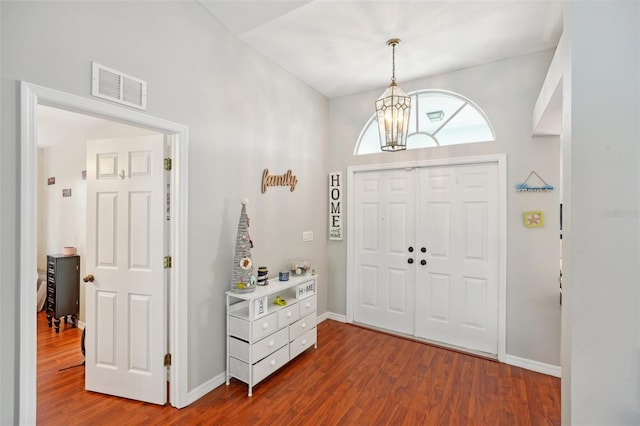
(355, 377)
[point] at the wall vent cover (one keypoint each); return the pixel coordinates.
(119, 87)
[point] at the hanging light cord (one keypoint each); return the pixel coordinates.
(393, 43)
(393, 62)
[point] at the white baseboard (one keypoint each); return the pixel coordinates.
(81, 325)
(205, 388)
(540, 367)
(332, 316)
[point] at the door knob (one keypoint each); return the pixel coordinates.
(88, 278)
(410, 260)
(423, 262)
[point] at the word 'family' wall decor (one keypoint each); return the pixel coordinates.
(287, 179)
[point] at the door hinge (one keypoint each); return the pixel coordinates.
(167, 262)
(167, 360)
(167, 164)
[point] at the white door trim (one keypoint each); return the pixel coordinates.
(31, 96)
(501, 160)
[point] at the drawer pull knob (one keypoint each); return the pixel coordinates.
(271, 343)
(289, 314)
(304, 342)
(304, 324)
(273, 362)
(308, 305)
(265, 325)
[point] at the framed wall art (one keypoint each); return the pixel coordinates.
(533, 219)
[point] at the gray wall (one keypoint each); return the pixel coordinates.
(506, 91)
(601, 321)
(244, 114)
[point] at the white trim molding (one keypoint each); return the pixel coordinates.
(206, 387)
(501, 161)
(331, 316)
(537, 366)
(31, 96)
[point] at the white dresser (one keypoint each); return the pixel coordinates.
(263, 336)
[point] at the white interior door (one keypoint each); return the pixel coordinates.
(126, 302)
(384, 230)
(457, 290)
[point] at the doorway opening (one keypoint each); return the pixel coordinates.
(177, 134)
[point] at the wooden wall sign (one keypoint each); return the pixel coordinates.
(287, 179)
(335, 206)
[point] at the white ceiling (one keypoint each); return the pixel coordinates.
(339, 47)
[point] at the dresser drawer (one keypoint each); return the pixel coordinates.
(288, 315)
(270, 364)
(259, 328)
(308, 305)
(301, 326)
(302, 343)
(241, 349)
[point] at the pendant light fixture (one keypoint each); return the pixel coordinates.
(392, 111)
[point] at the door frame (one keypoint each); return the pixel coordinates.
(31, 96)
(501, 161)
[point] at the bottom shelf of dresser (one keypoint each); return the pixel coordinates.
(242, 369)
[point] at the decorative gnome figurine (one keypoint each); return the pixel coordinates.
(243, 282)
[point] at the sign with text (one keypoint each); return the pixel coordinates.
(260, 308)
(305, 289)
(335, 206)
(287, 179)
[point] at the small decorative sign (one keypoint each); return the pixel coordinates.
(305, 289)
(66, 192)
(51, 181)
(533, 219)
(287, 179)
(260, 307)
(335, 206)
(542, 185)
(84, 175)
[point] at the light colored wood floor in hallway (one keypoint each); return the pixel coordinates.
(355, 377)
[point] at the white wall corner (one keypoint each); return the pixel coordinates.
(332, 316)
(200, 391)
(540, 367)
(547, 112)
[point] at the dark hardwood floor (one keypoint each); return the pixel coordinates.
(355, 377)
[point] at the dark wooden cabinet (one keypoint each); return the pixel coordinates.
(63, 289)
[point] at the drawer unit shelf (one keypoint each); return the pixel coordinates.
(263, 336)
(63, 289)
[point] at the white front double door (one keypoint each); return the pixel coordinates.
(426, 253)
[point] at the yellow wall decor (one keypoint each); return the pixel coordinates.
(534, 219)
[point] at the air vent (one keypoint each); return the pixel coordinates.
(118, 87)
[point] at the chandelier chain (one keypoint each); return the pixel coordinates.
(393, 62)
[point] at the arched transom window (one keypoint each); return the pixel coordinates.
(437, 118)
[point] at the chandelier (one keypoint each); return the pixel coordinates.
(392, 111)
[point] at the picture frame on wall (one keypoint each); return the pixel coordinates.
(533, 219)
